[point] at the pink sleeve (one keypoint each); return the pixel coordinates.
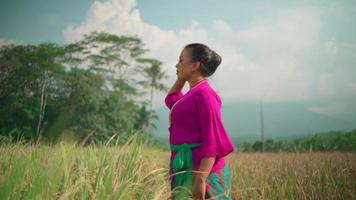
(171, 98)
(215, 140)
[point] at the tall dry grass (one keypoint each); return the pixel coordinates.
(65, 171)
(135, 171)
(293, 175)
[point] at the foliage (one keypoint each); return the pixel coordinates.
(88, 88)
(330, 141)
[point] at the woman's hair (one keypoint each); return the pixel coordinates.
(209, 59)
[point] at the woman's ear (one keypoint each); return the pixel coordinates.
(196, 66)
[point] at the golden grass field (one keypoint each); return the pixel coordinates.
(135, 171)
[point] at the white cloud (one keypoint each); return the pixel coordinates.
(221, 26)
(330, 48)
(272, 74)
(289, 31)
(336, 84)
(326, 85)
(122, 17)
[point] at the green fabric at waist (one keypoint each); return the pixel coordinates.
(183, 161)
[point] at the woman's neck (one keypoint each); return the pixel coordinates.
(196, 81)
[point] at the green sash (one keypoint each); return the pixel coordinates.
(183, 161)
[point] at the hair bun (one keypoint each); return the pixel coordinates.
(216, 58)
(208, 58)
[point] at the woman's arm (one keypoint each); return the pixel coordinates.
(200, 177)
(204, 169)
(177, 86)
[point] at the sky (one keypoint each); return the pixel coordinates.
(272, 51)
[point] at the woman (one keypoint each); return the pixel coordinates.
(198, 139)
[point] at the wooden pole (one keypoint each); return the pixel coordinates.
(262, 131)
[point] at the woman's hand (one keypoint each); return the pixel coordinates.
(177, 86)
(199, 189)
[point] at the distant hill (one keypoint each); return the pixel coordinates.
(281, 121)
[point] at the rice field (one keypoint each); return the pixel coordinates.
(136, 171)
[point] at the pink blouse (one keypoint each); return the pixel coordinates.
(195, 117)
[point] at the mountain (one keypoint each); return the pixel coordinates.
(281, 121)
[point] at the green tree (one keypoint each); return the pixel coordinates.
(85, 88)
(314, 143)
(247, 147)
(153, 75)
(269, 145)
(257, 146)
(114, 56)
(114, 59)
(345, 141)
(30, 77)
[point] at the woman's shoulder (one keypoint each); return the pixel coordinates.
(207, 88)
(207, 92)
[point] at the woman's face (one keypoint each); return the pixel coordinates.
(185, 65)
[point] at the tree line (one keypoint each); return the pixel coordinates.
(317, 142)
(91, 89)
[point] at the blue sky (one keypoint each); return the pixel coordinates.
(287, 51)
(41, 20)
